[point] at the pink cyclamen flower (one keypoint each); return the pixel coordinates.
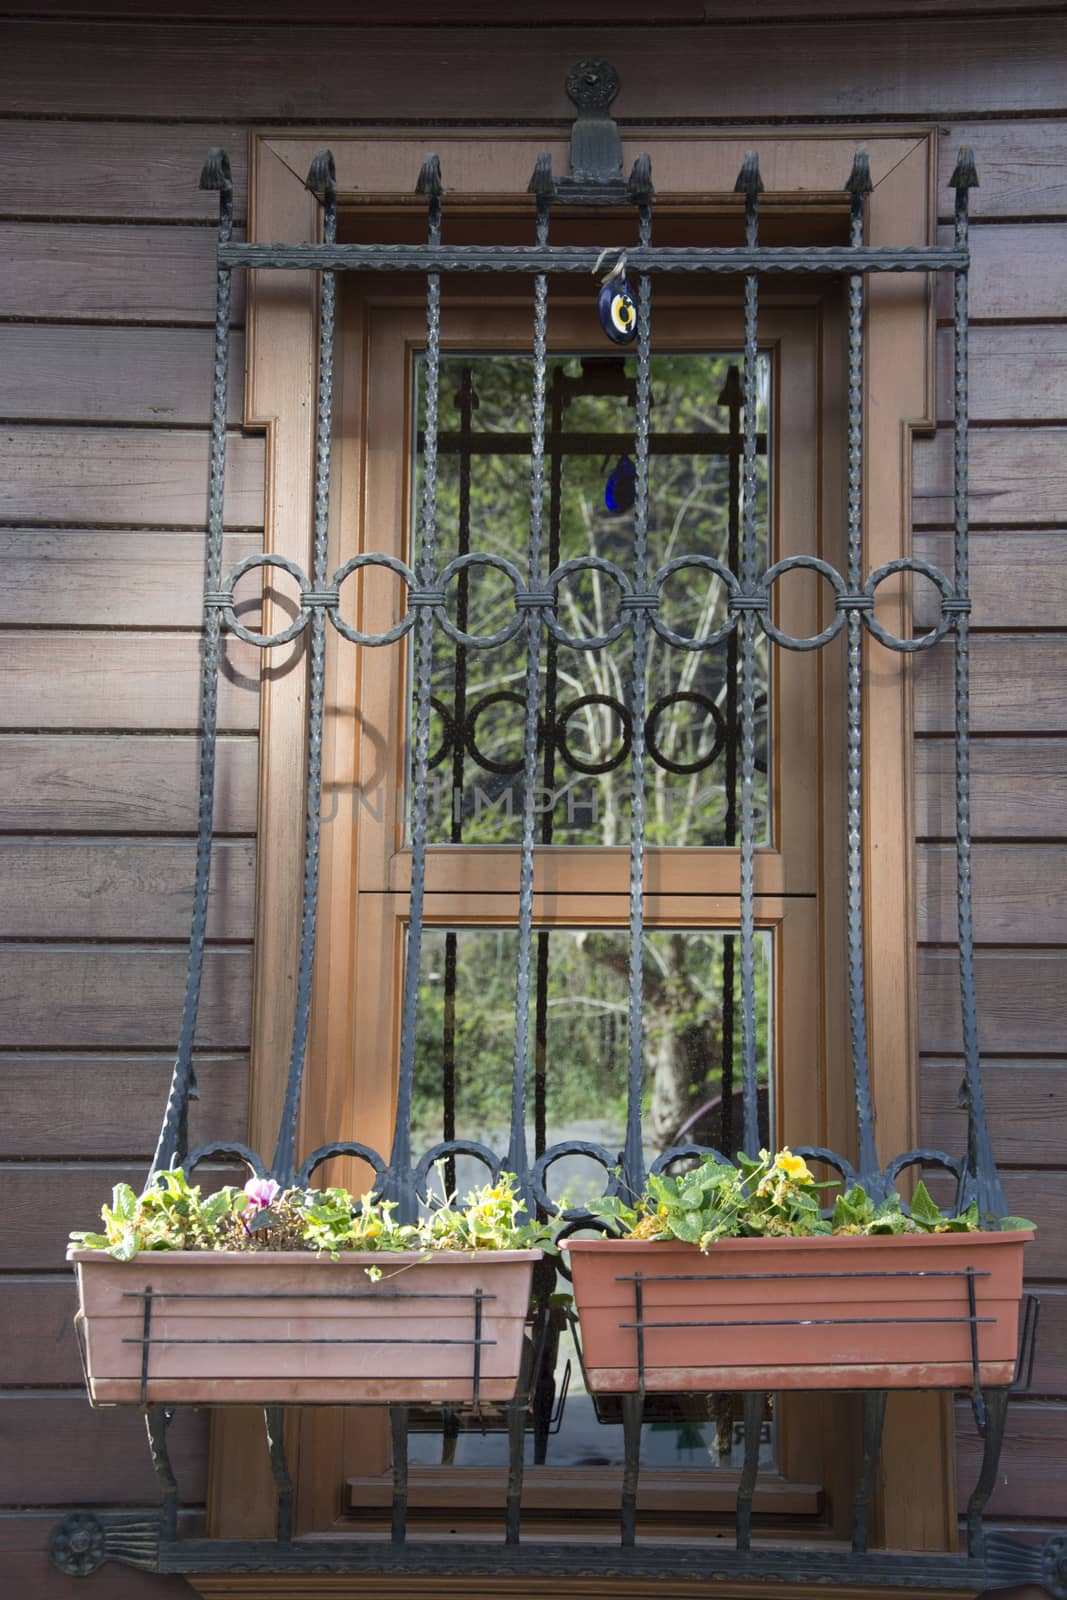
(262, 1192)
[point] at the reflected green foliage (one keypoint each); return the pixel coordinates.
(585, 1048)
(483, 504)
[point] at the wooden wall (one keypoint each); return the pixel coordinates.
(106, 302)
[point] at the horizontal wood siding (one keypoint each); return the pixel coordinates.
(106, 310)
(107, 307)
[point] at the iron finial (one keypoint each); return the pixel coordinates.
(592, 85)
(322, 176)
(215, 173)
(596, 150)
(749, 181)
(542, 184)
(429, 181)
(859, 179)
(639, 185)
(965, 173)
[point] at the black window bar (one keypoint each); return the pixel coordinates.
(83, 1540)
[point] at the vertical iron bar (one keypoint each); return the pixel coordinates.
(633, 1410)
(321, 181)
(541, 186)
(750, 184)
(459, 756)
(978, 1405)
(633, 1160)
(146, 1347)
(982, 1181)
(555, 500)
(753, 1405)
(400, 1177)
(156, 1424)
(398, 1427)
(479, 1323)
(858, 186)
(873, 1421)
(731, 398)
(996, 1418)
(274, 1421)
(533, 1349)
(172, 1135)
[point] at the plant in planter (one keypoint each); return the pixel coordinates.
(731, 1278)
(269, 1296)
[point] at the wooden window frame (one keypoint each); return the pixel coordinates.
(489, 169)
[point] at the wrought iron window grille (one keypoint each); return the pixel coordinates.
(82, 1541)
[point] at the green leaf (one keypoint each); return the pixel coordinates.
(90, 1241)
(686, 1226)
(1011, 1224)
(215, 1207)
(123, 1201)
(924, 1208)
(127, 1246)
(263, 1220)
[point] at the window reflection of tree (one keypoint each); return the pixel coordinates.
(691, 733)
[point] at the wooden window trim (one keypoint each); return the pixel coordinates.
(490, 168)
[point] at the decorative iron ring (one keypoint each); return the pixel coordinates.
(573, 1147)
(686, 641)
(925, 1158)
(593, 769)
(811, 564)
(224, 1147)
(455, 1147)
(829, 1158)
(687, 1152)
(595, 641)
(264, 640)
(390, 635)
(927, 570)
(683, 769)
(504, 769)
(342, 1147)
(480, 641)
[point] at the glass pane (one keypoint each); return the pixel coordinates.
(694, 508)
(692, 1050)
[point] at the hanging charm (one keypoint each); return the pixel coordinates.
(616, 304)
(620, 491)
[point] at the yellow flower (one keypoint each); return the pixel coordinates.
(795, 1168)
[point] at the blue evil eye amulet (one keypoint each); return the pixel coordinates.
(620, 491)
(618, 309)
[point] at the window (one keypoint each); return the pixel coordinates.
(362, 921)
(577, 1088)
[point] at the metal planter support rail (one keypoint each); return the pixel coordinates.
(82, 1541)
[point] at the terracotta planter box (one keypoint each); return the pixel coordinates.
(215, 1327)
(827, 1313)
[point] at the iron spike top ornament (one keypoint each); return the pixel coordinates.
(616, 305)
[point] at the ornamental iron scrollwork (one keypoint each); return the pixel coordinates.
(83, 1540)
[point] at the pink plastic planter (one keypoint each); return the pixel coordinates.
(827, 1313)
(225, 1328)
